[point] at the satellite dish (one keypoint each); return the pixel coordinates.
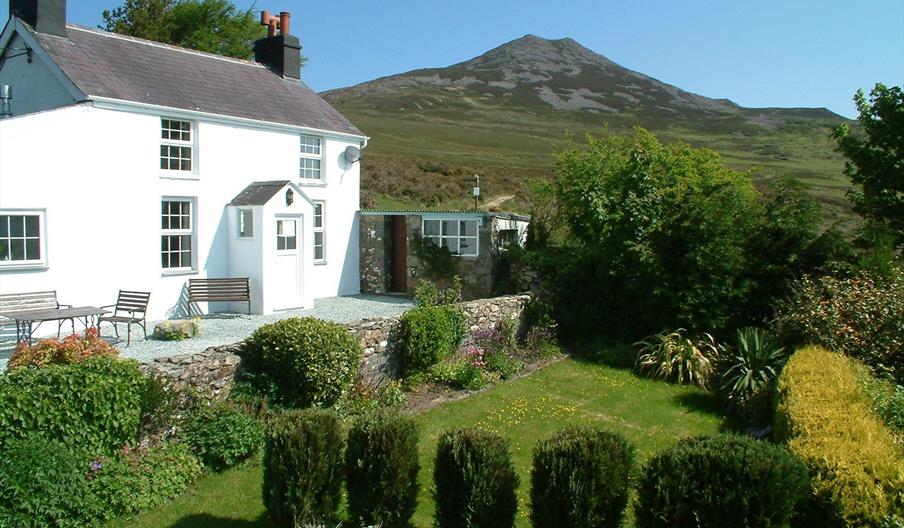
(352, 154)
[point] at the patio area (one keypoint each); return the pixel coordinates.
(226, 328)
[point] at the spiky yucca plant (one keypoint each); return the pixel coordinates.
(752, 366)
(674, 356)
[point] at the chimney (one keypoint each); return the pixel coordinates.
(279, 52)
(45, 16)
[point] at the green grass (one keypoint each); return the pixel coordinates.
(651, 414)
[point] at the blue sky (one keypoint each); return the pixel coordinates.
(766, 53)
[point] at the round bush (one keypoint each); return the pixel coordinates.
(381, 464)
(475, 480)
(718, 481)
(430, 334)
(94, 405)
(308, 360)
(303, 468)
(43, 484)
(220, 435)
(580, 479)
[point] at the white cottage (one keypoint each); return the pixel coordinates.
(130, 164)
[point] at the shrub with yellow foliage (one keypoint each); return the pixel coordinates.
(825, 417)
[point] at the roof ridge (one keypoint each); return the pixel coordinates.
(154, 43)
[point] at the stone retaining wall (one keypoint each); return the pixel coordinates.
(212, 371)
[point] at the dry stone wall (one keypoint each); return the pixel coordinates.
(212, 372)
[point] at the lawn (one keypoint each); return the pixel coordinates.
(651, 414)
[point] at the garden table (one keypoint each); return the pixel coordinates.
(25, 319)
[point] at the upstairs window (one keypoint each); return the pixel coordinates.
(22, 238)
(319, 232)
(458, 236)
(310, 158)
(176, 145)
(246, 223)
(176, 234)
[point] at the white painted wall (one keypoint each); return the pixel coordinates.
(500, 224)
(96, 174)
(34, 86)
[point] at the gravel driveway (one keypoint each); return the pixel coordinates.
(224, 329)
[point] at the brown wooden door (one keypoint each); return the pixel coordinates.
(399, 282)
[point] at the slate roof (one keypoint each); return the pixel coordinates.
(258, 193)
(104, 64)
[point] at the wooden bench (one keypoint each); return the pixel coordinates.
(219, 290)
(11, 303)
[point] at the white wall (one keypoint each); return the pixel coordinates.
(96, 173)
(34, 87)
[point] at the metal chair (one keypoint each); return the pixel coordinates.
(130, 308)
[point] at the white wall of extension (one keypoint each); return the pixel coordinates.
(95, 175)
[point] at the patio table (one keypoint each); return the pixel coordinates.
(24, 320)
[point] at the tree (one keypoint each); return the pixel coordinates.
(875, 163)
(214, 26)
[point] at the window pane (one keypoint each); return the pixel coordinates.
(431, 227)
(467, 246)
(4, 250)
(318, 215)
(280, 242)
(318, 238)
(318, 253)
(468, 228)
(4, 226)
(451, 244)
(32, 249)
(450, 228)
(246, 223)
(17, 249)
(16, 226)
(310, 145)
(289, 227)
(291, 242)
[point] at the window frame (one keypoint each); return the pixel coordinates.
(441, 236)
(321, 230)
(191, 232)
(170, 142)
(312, 157)
(42, 239)
(240, 222)
(287, 250)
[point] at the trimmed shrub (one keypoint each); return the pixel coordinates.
(430, 334)
(220, 435)
(94, 405)
(381, 466)
(135, 480)
(861, 317)
(303, 468)
(475, 480)
(43, 484)
(824, 415)
(71, 349)
(718, 481)
(580, 479)
(310, 361)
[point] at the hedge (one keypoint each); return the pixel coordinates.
(719, 481)
(309, 361)
(94, 405)
(430, 334)
(825, 417)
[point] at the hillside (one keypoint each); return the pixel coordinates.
(505, 113)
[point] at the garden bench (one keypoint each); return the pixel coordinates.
(219, 290)
(14, 303)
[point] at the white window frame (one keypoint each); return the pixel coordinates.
(321, 230)
(181, 143)
(310, 158)
(296, 236)
(42, 238)
(240, 223)
(441, 237)
(191, 232)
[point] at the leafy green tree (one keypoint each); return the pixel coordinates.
(875, 161)
(214, 26)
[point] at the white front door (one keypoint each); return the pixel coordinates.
(286, 289)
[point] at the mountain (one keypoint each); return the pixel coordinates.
(505, 113)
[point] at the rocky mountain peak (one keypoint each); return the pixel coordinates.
(538, 55)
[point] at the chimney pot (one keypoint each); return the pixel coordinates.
(284, 22)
